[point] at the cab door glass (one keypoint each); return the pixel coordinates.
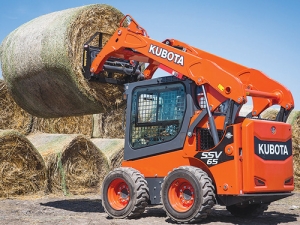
(157, 114)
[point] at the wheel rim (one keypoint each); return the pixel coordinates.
(118, 194)
(181, 195)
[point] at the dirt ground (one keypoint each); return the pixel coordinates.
(81, 210)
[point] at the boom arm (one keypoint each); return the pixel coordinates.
(231, 80)
(265, 91)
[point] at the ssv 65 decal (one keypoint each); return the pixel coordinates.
(211, 158)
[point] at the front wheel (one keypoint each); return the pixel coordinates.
(124, 193)
(187, 194)
(247, 211)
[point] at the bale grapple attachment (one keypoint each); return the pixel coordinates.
(130, 68)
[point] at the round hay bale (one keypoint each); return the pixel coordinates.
(11, 115)
(42, 62)
(22, 169)
(109, 124)
(269, 114)
(296, 151)
(293, 115)
(112, 148)
(64, 125)
(74, 164)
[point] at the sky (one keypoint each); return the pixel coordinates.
(259, 34)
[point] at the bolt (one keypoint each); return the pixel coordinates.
(119, 32)
(228, 149)
(189, 134)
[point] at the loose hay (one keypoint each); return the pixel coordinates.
(64, 125)
(11, 115)
(22, 169)
(74, 164)
(42, 62)
(112, 148)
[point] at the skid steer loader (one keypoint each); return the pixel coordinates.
(186, 145)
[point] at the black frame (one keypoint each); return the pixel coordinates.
(177, 143)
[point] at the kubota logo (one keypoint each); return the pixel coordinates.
(165, 54)
(272, 150)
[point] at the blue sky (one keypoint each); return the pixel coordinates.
(261, 34)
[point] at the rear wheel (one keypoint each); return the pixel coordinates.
(187, 194)
(124, 193)
(247, 211)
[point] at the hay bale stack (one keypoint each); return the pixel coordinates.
(296, 150)
(74, 164)
(112, 148)
(109, 124)
(42, 62)
(64, 125)
(11, 115)
(22, 169)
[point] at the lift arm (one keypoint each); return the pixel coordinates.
(132, 43)
(229, 79)
(264, 91)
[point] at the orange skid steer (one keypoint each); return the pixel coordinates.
(187, 146)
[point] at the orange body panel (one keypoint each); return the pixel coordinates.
(272, 172)
(159, 165)
(243, 171)
(227, 176)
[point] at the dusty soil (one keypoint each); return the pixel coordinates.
(88, 210)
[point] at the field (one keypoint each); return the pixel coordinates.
(87, 209)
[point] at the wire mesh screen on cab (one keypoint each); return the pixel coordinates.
(157, 113)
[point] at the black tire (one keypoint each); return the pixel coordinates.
(197, 194)
(133, 190)
(247, 211)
